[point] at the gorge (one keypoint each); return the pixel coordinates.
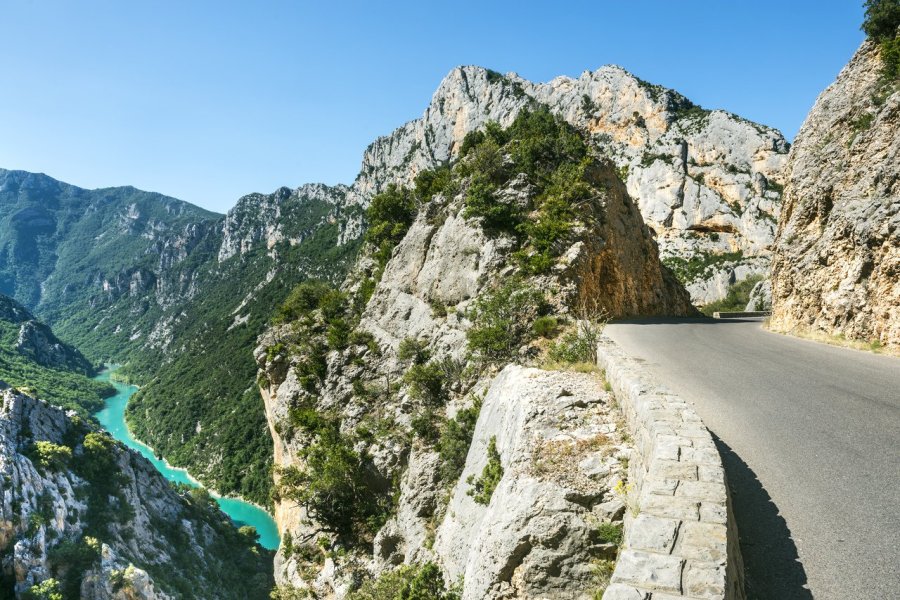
(395, 381)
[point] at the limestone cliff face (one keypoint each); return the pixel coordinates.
(445, 264)
(837, 264)
(706, 182)
(143, 541)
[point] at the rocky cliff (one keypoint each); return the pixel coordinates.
(837, 264)
(38, 343)
(84, 517)
(708, 183)
(374, 393)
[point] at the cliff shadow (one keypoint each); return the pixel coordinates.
(772, 567)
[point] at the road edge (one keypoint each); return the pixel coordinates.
(681, 538)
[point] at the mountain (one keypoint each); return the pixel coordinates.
(81, 516)
(34, 359)
(836, 270)
(708, 183)
(384, 400)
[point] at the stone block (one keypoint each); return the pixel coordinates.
(704, 580)
(655, 572)
(703, 541)
(653, 534)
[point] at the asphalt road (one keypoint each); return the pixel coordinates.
(810, 437)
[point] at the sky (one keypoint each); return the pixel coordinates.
(210, 100)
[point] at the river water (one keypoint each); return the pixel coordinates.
(112, 417)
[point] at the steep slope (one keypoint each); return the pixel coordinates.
(199, 406)
(179, 295)
(836, 269)
(708, 183)
(512, 254)
(33, 358)
(81, 516)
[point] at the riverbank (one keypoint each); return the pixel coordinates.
(241, 512)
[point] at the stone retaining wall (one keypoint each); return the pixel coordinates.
(680, 537)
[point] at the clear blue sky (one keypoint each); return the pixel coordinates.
(207, 101)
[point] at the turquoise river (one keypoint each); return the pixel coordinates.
(112, 417)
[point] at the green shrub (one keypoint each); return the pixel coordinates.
(572, 348)
(335, 486)
(687, 270)
(610, 533)
(390, 215)
(45, 590)
(427, 383)
(414, 350)
(548, 230)
(483, 487)
(408, 582)
(303, 299)
(502, 320)
(454, 441)
(882, 18)
(249, 532)
(435, 181)
(545, 326)
(50, 456)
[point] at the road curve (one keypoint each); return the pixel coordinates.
(810, 437)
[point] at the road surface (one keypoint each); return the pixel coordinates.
(810, 437)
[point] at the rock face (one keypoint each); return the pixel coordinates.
(560, 452)
(38, 343)
(837, 266)
(535, 537)
(708, 183)
(143, 541)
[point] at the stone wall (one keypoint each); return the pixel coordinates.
(680, 536)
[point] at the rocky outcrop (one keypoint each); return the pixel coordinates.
(708, 183)
(536, 538)
(562, 457)
(837, 264)
(37, 342)
(78, 508)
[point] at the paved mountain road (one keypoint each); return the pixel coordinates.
(810, 436)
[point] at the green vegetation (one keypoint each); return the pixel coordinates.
(390, 215)
(736, 299)
(45, 590)
(336, 485)
(698, 265)
(555, 159)
(502, 320)
(50, 456)
(483, 487)
(67, 385)
(110, 267)
(881, 23)
(408, 582)
(610, 533)
(211, 378)
(454, 441)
